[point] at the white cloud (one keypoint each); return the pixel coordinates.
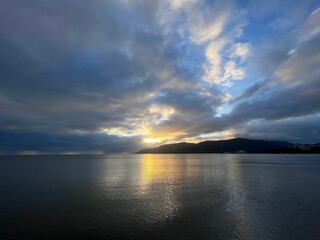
(208, 26)
(231, 73)
(179, 4)
(311, 27)
(215, 27)
(218, 72)
(159, 113)
(213, 68)
(240, 50)
(122, 131)
(204, 21)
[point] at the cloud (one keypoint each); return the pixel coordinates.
(293, 91)
(297, 130)
(231, 72)
(240, 50)
(213, 68)
(179, 4)
(208, 25)
(42, 143)
(112, 73)
(289, 96)
(90, 69)
(220, 71)
(311, 27)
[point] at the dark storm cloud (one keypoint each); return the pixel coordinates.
(296, 130)
(65, 69)
(68, 60)
(294, 91)
(84, 67)
(30, 142)
(184, 102)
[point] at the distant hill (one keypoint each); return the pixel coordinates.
(223, 146)
(312, 149)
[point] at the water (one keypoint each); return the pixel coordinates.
(187, 196)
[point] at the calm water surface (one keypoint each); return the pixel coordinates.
(187, 196)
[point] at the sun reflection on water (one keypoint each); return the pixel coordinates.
(157, 184)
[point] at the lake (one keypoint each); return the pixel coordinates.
(185, 196)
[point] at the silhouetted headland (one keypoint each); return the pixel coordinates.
(236, 145)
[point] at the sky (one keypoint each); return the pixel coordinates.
(101, 76)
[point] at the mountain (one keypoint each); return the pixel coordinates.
(231, 146)
(291, 150)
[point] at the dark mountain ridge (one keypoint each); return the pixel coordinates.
(223, 146)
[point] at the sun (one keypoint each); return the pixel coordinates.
(152, 140)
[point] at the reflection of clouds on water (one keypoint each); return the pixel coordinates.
(226, 195)
(250, 212)
(237, 195)
(216, 196)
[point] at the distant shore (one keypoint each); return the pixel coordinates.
(235, 146)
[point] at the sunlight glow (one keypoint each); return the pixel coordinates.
(165, 137)
(152, 140)
(123, 132)
(223, 135)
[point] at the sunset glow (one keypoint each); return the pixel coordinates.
(152, 140)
